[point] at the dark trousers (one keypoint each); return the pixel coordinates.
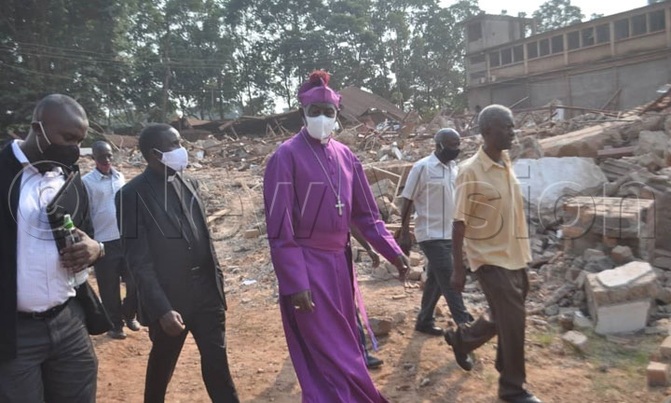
(109, 270)
(55, 362)
(207, 324)
(439, 269)
(505, 291)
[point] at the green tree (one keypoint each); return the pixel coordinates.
(555, 14)
(67, 46)
(437, 55)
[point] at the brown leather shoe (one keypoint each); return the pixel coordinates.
(464, 360)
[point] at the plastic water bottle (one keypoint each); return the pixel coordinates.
(71, 237)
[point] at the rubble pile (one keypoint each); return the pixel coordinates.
(596, 188)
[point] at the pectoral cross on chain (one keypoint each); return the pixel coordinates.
(339, 206)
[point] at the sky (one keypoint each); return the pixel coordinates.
(588, 7)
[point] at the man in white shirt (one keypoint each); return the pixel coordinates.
(45, 350)
(102, 184)
(430, 188)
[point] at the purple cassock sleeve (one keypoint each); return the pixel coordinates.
(279, 200)
(366, 216)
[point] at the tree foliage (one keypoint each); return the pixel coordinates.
(555, 14)
(130, 61)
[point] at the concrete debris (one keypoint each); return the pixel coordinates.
(381, 326)
(548, 181)
(577, 340)
(598, 188)
(658, 374)
(620, 299)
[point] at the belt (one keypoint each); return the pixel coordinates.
(48, 314)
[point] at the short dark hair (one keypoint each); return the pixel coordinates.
(99, 144)
(150, 137)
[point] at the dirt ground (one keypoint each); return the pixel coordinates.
(417, 368)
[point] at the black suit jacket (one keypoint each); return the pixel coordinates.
(157, 255)
(10, 186)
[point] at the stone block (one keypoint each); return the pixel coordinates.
(665, 348)
(384, 187)
(660, 258)
(633, 281)
(577, 340)
(581, 322)
(615, 169)
(620, 299)
(593, 255)
(622, 318)
(415, 273)
(251, 233)
(658, 374)
(651, 142)
(621, 254)
(415, 259)
(545, 185)
(380, 326)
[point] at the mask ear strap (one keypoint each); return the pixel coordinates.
(44, 134)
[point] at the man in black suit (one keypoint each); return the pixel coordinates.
(45, 350)
(169, 252)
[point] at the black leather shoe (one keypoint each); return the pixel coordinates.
(524, 397)
(432, 330)
(133, 324)
(464, 360)
(117, 334)
(373, 362)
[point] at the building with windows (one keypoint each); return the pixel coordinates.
(614, 62)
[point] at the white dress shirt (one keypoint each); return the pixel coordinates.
(101, 189)
(41, 282)
(431, 187)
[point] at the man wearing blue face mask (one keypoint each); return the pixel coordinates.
(431, 188)
(169, 252)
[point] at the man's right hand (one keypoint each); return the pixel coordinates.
(302, 301)
(172, 323)
(458, 277)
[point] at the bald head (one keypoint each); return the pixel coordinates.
(58, 103)
(447, 144)
(59, 125)
(446, 135)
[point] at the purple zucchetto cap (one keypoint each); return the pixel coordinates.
(316, 90)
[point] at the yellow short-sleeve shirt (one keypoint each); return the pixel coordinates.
(489, 202)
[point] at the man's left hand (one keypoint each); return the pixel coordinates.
(403, 266)
(80, 255)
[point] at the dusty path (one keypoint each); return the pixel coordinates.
(263, 372)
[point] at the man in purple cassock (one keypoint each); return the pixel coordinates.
(314, 189)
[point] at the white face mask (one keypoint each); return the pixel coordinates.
(176, 159)
(320, 127)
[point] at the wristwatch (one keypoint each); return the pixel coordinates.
(102, 250)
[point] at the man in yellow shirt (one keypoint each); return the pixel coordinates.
(490, 227)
